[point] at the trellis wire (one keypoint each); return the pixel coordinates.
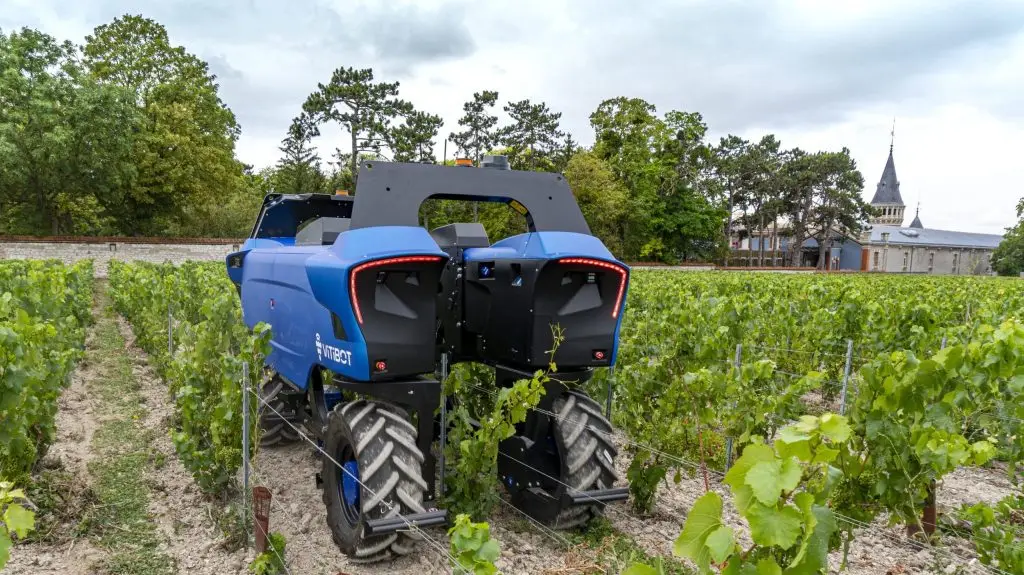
(432, 542)
(720, 475)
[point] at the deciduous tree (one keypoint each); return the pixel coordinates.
(65, 141)
(184, 150)
(1008, 257)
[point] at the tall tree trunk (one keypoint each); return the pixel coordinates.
(760, 247)
(728, 231)
(775, 242)
(824, 247)
(476, 149)
(800, 231)
(353, 163)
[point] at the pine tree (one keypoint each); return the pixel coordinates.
(299, 170)
(479, 135)
(533, 135)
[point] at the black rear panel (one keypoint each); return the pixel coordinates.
(509, 320)
(395, 305)
(583, 297)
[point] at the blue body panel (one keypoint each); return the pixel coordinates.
(295, 288)
(553, 245)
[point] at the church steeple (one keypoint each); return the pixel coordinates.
(887, 199)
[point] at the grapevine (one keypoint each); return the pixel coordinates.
(44, 310)
(204, 374)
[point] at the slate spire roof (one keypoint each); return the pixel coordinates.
(888, 190)
(917, 219)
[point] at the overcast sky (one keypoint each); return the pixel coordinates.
(820, 75)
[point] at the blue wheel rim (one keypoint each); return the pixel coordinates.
(349, 485)
(349, 488)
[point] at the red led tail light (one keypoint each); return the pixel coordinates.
(376, 264)
(605, 265)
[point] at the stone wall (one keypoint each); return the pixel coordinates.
(102, 250)
(930, 260)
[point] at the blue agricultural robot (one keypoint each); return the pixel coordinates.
(355, 287)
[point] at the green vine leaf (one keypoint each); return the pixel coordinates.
(721, 543)
(774, 527)
(19, 520)
(704, 519)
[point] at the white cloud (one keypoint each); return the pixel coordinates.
(819, 75)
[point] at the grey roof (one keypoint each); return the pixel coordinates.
(917, 222)
(934, 238)
(888, 190)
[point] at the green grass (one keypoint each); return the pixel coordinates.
(120, 520)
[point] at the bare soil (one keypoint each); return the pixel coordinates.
(297, 511)
(181, 512)
(76, 423)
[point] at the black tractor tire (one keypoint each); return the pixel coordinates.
(589, 451)
(380, 439)
(274, 432)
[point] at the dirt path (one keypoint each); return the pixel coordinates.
(115, 498)
(180, 512)
(298, 513)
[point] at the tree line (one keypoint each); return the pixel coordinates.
(1008, 258)
(127, 134)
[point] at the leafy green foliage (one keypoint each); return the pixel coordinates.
(65, 140)
(920, 419)
(123, 135)
(998, 532)
(204, 374)
(1008, 257)
(678, 392)
(533, 136)
(44, 310)
(670, 209)
(472, 548)
(473, 454)
(177, 98)
(413, 140)
(14, 518)
(600, 195)
(271, 561)
(298, 170)
(782, 491)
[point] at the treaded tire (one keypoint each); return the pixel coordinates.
(382, 440)
(272, 392)
(590, 453)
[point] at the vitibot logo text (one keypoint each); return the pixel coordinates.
(339, 355)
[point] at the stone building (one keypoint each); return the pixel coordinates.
(884, 245)
(887, 246)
